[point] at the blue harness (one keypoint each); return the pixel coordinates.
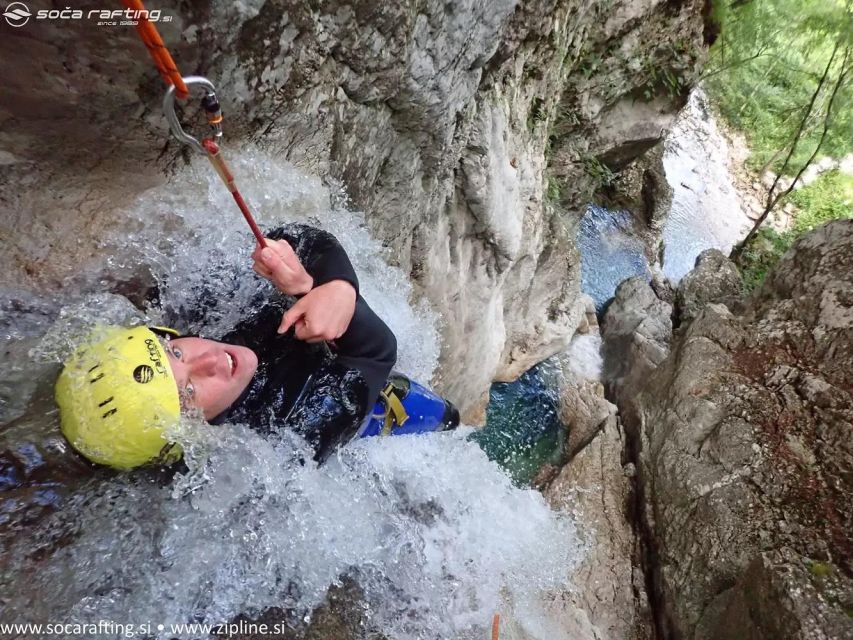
(404, 407)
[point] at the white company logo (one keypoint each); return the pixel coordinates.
(17, 14)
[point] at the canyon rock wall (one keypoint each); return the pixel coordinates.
(741, 429)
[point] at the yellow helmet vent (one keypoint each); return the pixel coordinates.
(117, 394)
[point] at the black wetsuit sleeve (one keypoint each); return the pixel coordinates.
(319, 252)
(335, 393)
(338, 396)
(369, 346)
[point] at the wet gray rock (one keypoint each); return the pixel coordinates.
(744, 445)
(583, 410)
(637, 328)
(609, 601)
(642, 188)
(715, 279)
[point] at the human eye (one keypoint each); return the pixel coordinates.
(177, 353)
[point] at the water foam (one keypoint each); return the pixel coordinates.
(434, 533)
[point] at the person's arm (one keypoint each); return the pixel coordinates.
(366, 344)
(369, 346)
(303, 258)
(337, 398)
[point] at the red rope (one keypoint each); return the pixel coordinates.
(227, 177)
(171, 76)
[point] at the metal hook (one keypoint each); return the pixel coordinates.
(172, 117)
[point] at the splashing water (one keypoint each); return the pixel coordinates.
(431, 529)
(435, 534)
(584, 356)
(198, 247)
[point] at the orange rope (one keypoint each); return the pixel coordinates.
(157, 48)
(496, 625)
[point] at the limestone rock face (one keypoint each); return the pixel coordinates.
(435, 116)
(583, 410)
(745, 436)
(637, 329)
(714, 279)
(642, 188)
(609, 602)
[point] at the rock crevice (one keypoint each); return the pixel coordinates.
(741, 429)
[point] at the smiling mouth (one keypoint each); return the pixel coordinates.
(232, 362)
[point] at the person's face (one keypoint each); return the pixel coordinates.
(210, 375)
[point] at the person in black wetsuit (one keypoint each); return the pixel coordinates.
(316, 366)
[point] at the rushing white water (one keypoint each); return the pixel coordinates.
(435, 535)
(584, 357)
(706, 210)
(195, 240)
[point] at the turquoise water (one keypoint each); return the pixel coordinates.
(523, 429)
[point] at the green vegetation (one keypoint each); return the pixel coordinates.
(830, 197)
(662, 78)
(553, 190)
(820, 569)
(767, 65)
(782, 73)
(601, 174)
(759, 256)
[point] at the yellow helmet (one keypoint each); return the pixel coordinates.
(116, 396)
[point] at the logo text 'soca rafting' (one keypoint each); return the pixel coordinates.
(17, 14)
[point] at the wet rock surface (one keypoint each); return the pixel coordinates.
(642, 188)
(342, 617)
(583, 410)
(609, 601)
(637, 329)
(742, 435)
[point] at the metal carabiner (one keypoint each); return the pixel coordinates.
(172, 117)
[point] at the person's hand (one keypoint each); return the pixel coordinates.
(322, 314)
(279, 264)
